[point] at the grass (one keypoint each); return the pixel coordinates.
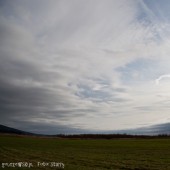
(77, 154)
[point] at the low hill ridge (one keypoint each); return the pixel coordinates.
(9, 130)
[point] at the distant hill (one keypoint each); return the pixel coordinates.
(158, 129)
(154, 130)
(9, 130)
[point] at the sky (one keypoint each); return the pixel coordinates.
(84, 66)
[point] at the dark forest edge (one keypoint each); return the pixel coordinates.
(92, 136)
(111, 136)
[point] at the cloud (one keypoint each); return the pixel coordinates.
(70, 63)
(157, 81)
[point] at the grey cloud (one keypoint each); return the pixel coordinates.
(103, 93)
(58, 61)
(47, 128)
(144, 108)
(121, 90)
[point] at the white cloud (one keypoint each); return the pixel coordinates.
(157, 81)
(70, 51)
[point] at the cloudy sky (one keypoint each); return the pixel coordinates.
(82, 65)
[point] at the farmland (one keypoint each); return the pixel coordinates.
(83, 154)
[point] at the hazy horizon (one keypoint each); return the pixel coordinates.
(83, 65)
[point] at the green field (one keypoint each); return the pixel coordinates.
(117, 154)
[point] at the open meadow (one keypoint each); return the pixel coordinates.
(83, 154)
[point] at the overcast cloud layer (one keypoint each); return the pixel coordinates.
(82, 65)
